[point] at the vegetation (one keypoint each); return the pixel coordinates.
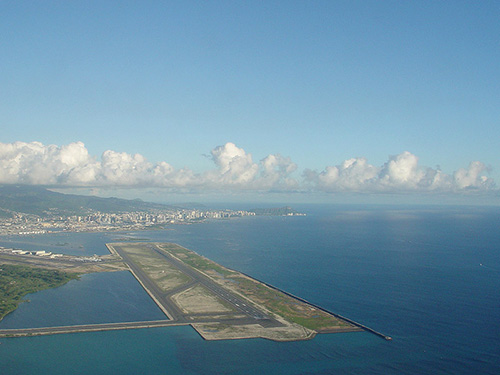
(195, 260)
(39, 201)
(165, 276)
(17, 281)
(274, 300)
(286, 306)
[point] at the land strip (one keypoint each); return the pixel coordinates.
(66, 263)
(239, 306)
(86, 328)
(218, 302)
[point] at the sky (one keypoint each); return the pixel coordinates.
(307, 101)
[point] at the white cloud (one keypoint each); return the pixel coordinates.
(351, 175)
(34, 163)
(401, 173)
(401, 170)
(234, 170)
(472, 177)
(276, 171)
(235, 166)
(71, 165)
(120, 168)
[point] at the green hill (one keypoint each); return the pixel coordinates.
(40, 201)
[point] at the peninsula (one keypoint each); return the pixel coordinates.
(18, 280)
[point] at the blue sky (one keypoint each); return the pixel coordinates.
(253, 99)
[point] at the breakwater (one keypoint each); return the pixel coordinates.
(19, 332)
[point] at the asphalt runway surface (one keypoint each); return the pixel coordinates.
(251, 315)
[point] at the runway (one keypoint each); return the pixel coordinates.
(243, 313)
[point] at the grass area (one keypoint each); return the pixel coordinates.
(164, 275)
(17, 281)
(274, 300)
(288, 307)
(196, 261)
(199, 300)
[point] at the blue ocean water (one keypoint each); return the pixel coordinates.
(428, 277)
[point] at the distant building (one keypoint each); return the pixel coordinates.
(21, 252)
(42, 253)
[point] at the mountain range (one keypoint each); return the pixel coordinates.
(41, 201)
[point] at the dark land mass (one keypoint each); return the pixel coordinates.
(40, 201)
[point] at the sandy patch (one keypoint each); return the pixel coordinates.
(199, 300)
(218, 331)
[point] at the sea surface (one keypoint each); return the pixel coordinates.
(429, 277)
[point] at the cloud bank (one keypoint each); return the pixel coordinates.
(401, 173)
(234, 169)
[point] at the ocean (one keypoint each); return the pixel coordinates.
(429, 277)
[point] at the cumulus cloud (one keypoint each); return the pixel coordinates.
(234, 169)
(472, 178)
(348, 176)
(35, 163)
(71, 165)
(401, 173)
(237, 169)
(401, 170)
(276, 171)
(235, 166)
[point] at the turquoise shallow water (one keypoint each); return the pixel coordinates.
(430, 278)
